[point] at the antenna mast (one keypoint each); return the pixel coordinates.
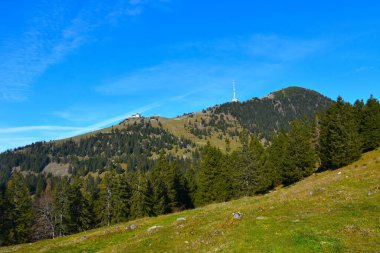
(234, 99)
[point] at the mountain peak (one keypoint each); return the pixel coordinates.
(293, 91)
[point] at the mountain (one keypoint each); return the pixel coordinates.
(275, 111)
(136, 142)
(333, 211)
(147, 167)
(260, 116)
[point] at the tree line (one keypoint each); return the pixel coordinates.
(77, 203)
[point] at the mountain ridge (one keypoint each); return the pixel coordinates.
(276, 95)
(179, 136)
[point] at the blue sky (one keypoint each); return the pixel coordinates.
(68, 67)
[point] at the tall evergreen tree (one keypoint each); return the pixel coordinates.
(209, 176)
(122, 198)
(141, 199)
(248, 171)
(59, 199)
(370, 124)
(301, 152)
(105, 203)
(159, 177)
(340, 139)
(259, 159)
(160, 199)
(278, 158)
(223, 181)
(191, 178)
(2, 219)
(19, 213)
(77, 214)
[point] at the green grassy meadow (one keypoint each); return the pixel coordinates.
(332, 211)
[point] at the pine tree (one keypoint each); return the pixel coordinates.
(259, 159)
(3, 228)
(59, 199)
(141, 200)
(121, 199)
(104, 205)
(223, 183)
(191, 178)
(77, 212)
(209, 175)
(160, 178)
(19, 214)
(340, 139)
(40, 185)
(160, 199)
(301, 153)
(88, 216)
(278, 158)
(178, 183)
(248, 171)
(370, 124)
(228, 145)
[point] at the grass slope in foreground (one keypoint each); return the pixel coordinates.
(334, 211)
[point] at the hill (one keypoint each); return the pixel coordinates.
(141, 139)
(332, 211)
(261, 116)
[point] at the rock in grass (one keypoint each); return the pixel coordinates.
(181, 219)
(237, 215)
(131, 227)
(260, 218)
(153, 228)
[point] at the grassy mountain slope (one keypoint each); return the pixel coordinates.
(260, 116)
(142, 139)
(333, 211)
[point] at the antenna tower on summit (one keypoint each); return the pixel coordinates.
(234, 99)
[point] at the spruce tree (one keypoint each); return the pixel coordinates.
(191, 178)
(223, 182)
(88, 216)
(247, 170)
(278, 158)
(176, 188)
(121, 199)
(301, 153)
(141, 199)
(160, 199)
(340, 139)
(105, 203)
(59, 199)
(19, 213)
(2, 219)
(258, 158)
(160, 177)
(77, 213)
(370, 124)
(209, 175)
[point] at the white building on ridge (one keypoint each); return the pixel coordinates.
(137, 115)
